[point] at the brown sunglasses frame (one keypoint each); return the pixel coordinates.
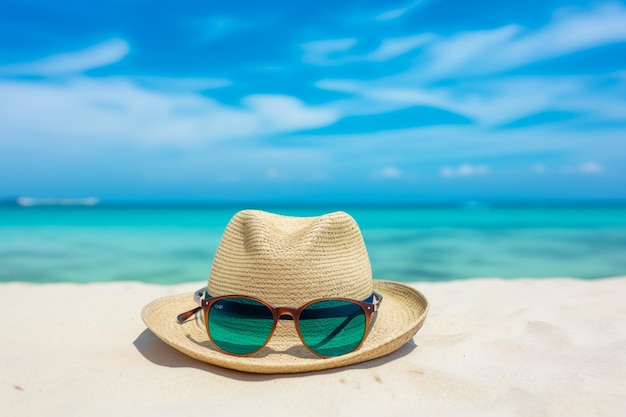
(278, 313)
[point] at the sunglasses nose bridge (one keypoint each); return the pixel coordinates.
(287, 311)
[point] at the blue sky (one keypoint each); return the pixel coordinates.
(342, 101)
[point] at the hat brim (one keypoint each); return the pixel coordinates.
(401, 315)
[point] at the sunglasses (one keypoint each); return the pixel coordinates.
(241, 325)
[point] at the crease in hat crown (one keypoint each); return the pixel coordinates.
(289, 261)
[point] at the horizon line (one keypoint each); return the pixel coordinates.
(92, 202)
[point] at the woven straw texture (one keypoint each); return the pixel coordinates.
(401, 315)
(287, 262)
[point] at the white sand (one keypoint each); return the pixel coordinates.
(489, 347)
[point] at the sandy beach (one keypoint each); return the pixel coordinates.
(522, 347)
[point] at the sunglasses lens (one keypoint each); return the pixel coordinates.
(239, 325)
(332, 327)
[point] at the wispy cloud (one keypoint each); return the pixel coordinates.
(182, 84)
(337, 51)
(538, 168)
(327, 52)
(490, 51)
(279, 113)
(141, 109)
(273, 174)
(120, 109)
(589, 168)
(393, 14)
(404, 102)
(460, 54)
(394, 47)
(464, 170)
(391, 172)
(482, 52)
(99, 55)
(511, 46)
(487, 102)
(474, 67)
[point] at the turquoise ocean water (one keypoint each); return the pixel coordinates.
(174, 244)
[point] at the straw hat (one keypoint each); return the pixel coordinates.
(289, 261)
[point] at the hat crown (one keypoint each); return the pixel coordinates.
(289, 261)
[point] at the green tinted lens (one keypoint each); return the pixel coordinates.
(332, 327)
(239, 325)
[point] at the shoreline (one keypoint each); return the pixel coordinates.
(491, 346)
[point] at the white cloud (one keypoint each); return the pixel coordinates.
(374, 97)
(285, 113)
(346, 86)
(391, 14)
(183, 84)
(108, 109)
(500, 101)
(511, 46)
(447, 172)
(569, 32)
(591, 168)
(336, 51)
(147, 110)
(491, 101)
(320, 52)
(391, 172)
(538, 168)
(457, 55)
(394, 14)
(464, 170)
(488, 102)
(587, 168)
(394, 47)
(484, 52)
(435, 147)
(272, 174)
(99, 55)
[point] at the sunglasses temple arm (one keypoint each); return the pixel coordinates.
(378, 299)
(372, 321)
(182, 317)
(197, 296)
